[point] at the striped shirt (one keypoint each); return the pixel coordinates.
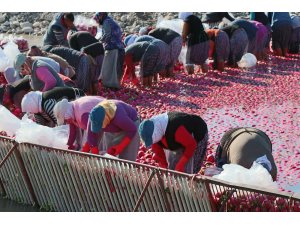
(50, 98)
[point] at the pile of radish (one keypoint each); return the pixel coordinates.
(254, 203)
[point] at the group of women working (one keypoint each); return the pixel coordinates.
(177, 139)
(55, 84)
(224, 39)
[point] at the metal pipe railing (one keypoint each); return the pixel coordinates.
(64, 180)
(73, 181)
(12, 175)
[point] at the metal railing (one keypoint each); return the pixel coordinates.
(13, 182)
(64, 180)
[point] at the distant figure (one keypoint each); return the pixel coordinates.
(112, 66)
(262, 37)
(14, 92)
(295, 39)
(282, 29)
(197, 42)
(86, 43)
(85, 68)
(58, 30)
(243, 146)
(174, 40)
(153, 57)
(262, 18)
(65, 68)
(219, 47)
(238, 43)
(129, 39)
(43, 76)
(251, 31)
(144, 30)
(214, 18)
(83, 41)
(21, 59)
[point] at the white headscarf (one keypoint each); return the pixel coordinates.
(143, 31)
(131, 40)
(32, 102)
(160, 126)
(63, 110)
(184, 15)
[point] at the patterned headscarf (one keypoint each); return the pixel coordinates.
(101, 115)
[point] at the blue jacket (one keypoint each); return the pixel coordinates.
(57, 32)
(111, 35)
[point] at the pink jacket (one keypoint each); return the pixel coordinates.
(84, 105)
(82, 108)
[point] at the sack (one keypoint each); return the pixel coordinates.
(4, 61)
(11, 50)
(84, 24)
(31, 132)
(257, 175)
(248, 60)
(8, 122)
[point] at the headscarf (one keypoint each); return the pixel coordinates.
(32, 102)
(130, 39)
(102, 114)
(143, 31)
(19, 61)
(99, 17)
(146, 129)
(63, 110)
(160, 126)
(184, 15)
(152, 131)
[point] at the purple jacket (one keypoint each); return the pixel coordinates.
(124, 120)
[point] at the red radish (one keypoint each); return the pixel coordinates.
(210, 158)
(141, 154)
